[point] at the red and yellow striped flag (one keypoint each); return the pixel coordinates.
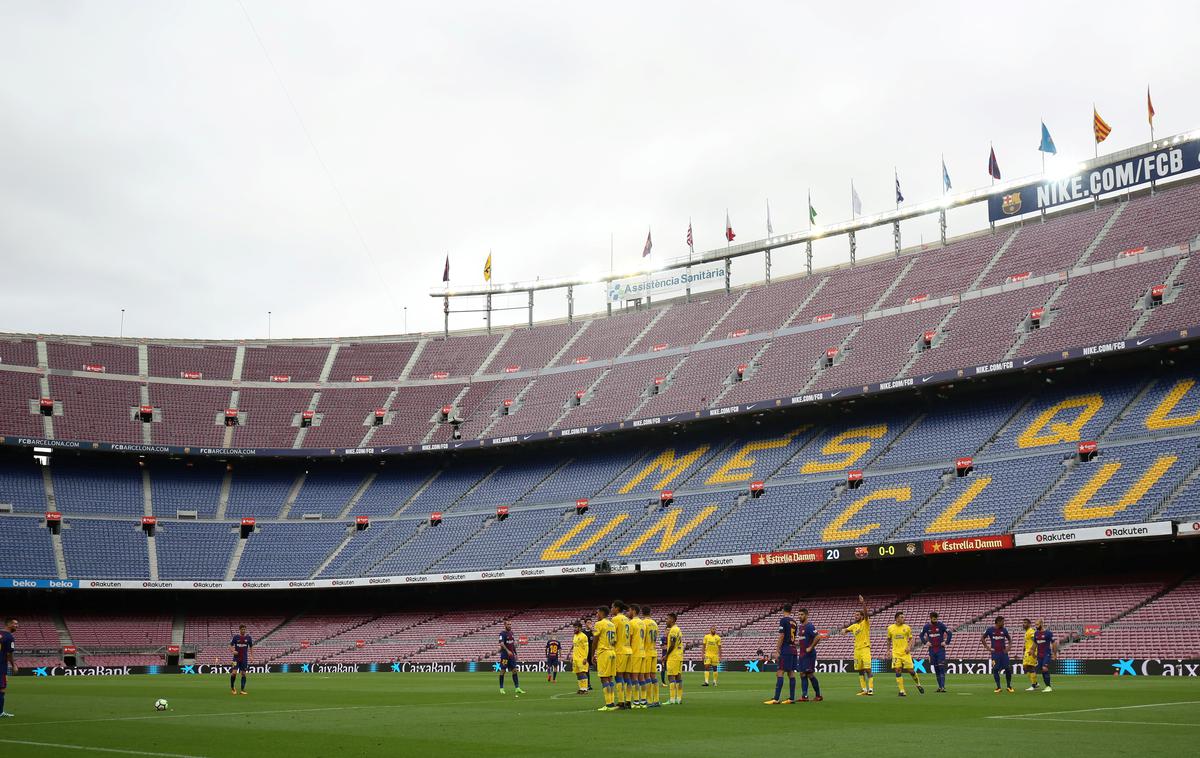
(1099, 126)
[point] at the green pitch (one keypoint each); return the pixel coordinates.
(463, 714)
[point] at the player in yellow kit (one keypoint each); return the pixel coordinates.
(712, 655)
(1030, 663)
(604, 656)
(637, 640)
(624, 680)
(674, 662)
(901, 636)
(579, 657)
(861, 629)
(650, 658)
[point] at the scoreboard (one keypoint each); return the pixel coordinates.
(883, 550)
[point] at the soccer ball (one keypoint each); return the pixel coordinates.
(160, 705)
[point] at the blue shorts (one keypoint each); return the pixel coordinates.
(787, 662)
(508, 664)
(1000, 661)
(1044, 663)
(807, 664)
(937, 657)
(241, 666)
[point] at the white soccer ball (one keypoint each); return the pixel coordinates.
(160, 705)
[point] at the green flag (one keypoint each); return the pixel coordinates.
(812, 212)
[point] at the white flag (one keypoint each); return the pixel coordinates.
(770, 230)
(855, 201)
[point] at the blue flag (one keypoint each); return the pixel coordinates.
(946, 186)
(1047, 145)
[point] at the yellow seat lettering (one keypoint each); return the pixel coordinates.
(836, 531)
(740, 466)
(1159, 418)
(668, 464)
(666, 526)
(851, 452)
(1045, 430)
(562, 549)
(948, 520)
(1077, 508)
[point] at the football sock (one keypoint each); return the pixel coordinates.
(243, 682)
(779, 687)
(502, 682)
(1032, 678)
(816, 686)
(1, 702)
(1045, 678)
(916, 678)
(871, 683)
(516, 682)
(1008, 678)
(706, 676)
(608, 692)
(792, 689)
(715, 674)
(862, 682)
(996, 676)
(803, 687)
(589, 679)
(900, 682)
(941, 677)
(232, 681)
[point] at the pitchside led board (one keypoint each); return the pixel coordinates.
(1164, 163)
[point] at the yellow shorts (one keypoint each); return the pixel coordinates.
(862, 660)
(902, 662)
(675, 665)
(1030, 663)
(579, 665)
(623, 663)
(711, 660)
(606, 664)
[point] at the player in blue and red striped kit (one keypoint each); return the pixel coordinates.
(937, 637)
(6, 661)
(1047, 649)
(240, 645)
(508, 658)
(806, 657)
(997, 640)
(552, 648)
(786, 657)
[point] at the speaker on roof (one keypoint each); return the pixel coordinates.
(54, 522)
(46, 406)
(145, 413)
(1087, 450)
(581, 506)
(148, 525)
(435, 518)
(1156, 295)
(380, 415)
(306, 418)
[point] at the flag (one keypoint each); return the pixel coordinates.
(855, 201)
(691, 247)
(770, 231)
(729, 235)
(812, 212)
(649, 245)
(899, 195)
(1099, 126)
(946, 186)
(487, 268)
(446, 270)
(1047, 145)
(1149, 107)
(993, 165)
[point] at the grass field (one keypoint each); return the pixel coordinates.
(463, 714)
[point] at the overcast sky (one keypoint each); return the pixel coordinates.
(151, 159)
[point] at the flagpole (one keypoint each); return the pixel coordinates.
(1096, 152)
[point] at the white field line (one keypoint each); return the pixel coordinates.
(1094, 710)
(1102, 721)
(63, 746)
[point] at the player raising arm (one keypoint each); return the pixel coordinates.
(861, 629)
(674, 660)
(937, 637)
(997, 641)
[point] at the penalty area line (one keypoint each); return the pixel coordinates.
(1103, 721)
(1032, 716)
(119, 751)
